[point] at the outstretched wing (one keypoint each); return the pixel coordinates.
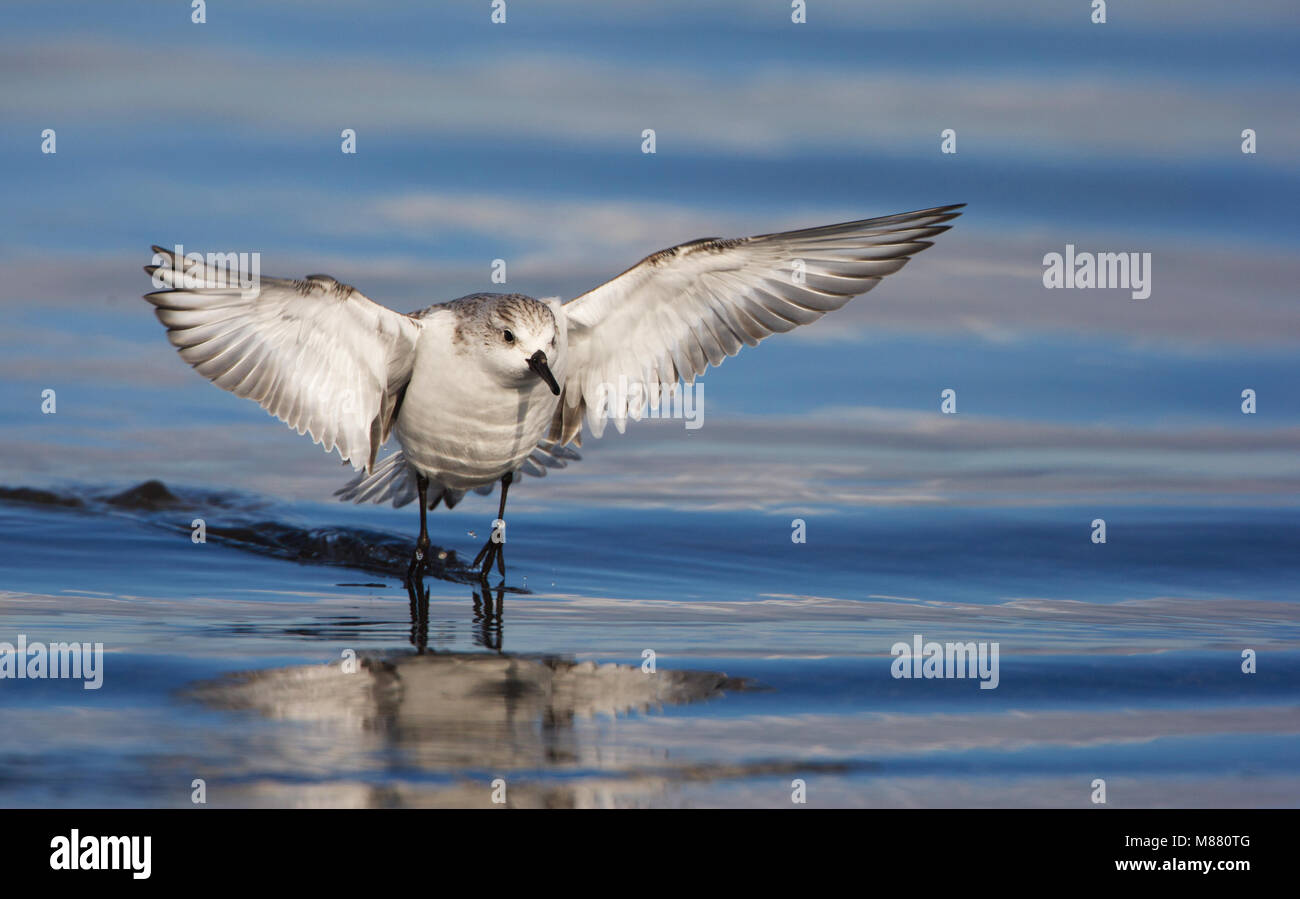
(681, 310)
(316, 354)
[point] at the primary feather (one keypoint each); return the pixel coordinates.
(316, 354)
(683, 309)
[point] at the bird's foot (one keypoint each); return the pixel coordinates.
(488, 615)
(418, 592)
(419, 566)
(493, 551)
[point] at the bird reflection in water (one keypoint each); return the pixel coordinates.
(489, 610)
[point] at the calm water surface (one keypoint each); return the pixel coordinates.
(1120, 662)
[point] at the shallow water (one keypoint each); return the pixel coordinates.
(1119, 661)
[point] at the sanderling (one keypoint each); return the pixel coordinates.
(489, 385)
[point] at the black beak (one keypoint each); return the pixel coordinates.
(537, 362)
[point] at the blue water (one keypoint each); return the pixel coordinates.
(1120, 661)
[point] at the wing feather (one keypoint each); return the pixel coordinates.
(316, 354)
(680, 310)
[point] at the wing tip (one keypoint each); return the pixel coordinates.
(937, 213)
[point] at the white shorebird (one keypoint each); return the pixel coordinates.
(480, 388)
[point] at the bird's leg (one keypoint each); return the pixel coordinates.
(419, 596)
(487, 616)
(499, 632)
(494, 549)
(420, 558)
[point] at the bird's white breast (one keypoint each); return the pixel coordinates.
(458, 425)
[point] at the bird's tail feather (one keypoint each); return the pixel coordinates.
(393, 481)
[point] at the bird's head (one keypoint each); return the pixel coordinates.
(522, 341)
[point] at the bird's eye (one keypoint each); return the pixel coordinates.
(510, 338)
